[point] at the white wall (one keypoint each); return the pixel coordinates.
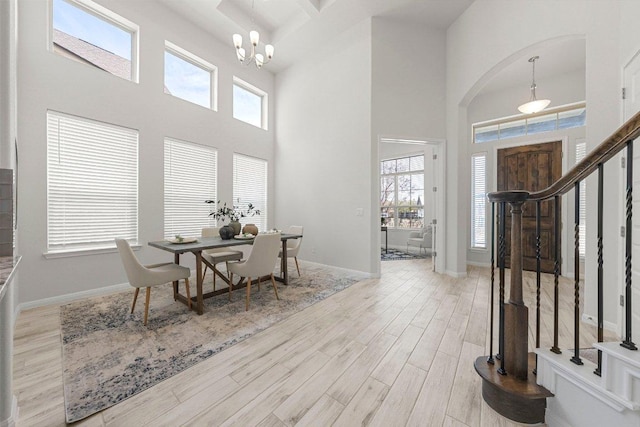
(494, 33)
(49, 81)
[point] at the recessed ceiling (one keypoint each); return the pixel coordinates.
(298, 26)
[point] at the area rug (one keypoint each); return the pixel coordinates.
(109, 355)
(394, 255)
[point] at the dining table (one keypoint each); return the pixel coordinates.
(204, 243)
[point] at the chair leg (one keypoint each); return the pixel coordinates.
(186, 284)
(275, 289)
(246, 308)
(297, 266)
(214, 279)
(259, 285)
(204, 274)
(135, 298)
(230, 286)
(146, 305)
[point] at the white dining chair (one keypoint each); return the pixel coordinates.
(216, 256)
(260, 262)
(293, 246)
(141, 276)
(423, 239)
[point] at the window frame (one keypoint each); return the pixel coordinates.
(264, 105)
(473, 244)
(196, 61)
(107, 15)
(396, 207)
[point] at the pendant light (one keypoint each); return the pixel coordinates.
(254, 38)
(534, 105)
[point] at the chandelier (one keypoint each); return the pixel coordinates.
(254, 38)
(534, 105)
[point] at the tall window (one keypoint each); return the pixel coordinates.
(478, 200)
(581, 152)
(92, 183)
(189, 180)
(91, 34)
(250, 186)
(402, 192)
(188, 77)
(249, 103)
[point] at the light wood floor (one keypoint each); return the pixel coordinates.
(393, 351)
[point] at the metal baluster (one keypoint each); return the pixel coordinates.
(628, 343)
(493, 251)
(556, 275)
(502, 248)
(576, 284)
(598, 370)
(538, 255)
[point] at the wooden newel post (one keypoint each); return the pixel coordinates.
(516, 313)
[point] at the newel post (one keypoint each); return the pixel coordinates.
(516, 348)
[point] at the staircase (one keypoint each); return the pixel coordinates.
(550, 385)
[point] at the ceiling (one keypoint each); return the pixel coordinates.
(300, 27)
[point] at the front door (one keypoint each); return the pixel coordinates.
(532, 168)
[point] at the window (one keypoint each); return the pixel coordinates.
(190, 172)
(188, 77)
(402, 192)
(249, 104)
(92, 183)
(568, 116)
(250, 186)
(91, 34)
(478, 200)
(581, 153)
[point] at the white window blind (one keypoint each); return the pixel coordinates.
(190, 172)
(581, 152)
(92, 183)
(478, 202)
(250, 186)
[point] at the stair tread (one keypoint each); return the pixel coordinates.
(525, 388)
(614, 349)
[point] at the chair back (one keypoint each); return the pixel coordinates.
(263, 256)
(293, 245)
(427, 237)
(135, 271)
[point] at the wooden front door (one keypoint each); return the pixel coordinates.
(532, 168)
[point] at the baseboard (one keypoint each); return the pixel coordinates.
(63, 299)
(456, 274)
(593, 320)
(368, 275)
(11, 421)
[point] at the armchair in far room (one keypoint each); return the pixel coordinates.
(423, 239)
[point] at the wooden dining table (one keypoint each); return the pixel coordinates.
(204, 243)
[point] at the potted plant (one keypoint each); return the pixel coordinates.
(233, 213)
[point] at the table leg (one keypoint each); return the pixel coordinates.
(200, 300)
(284, 263)
(176, 259)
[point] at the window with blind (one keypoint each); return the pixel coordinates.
(250, 186)
(190, 172)
(478, 200)
(249, 103)
(581, 152)
(92, 183)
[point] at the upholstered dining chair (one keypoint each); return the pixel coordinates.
(141, 276)
(260, 262)
(215, 256)
(293, 246)
(423, 239)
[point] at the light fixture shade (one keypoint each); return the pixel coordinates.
(534, 106)
(259, 60)
(268, 50)
(240, 53)
(237, 41)
(254, 37)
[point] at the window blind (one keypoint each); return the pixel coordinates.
(581, 152)
(190, 172)
(478, 202)
(250, 186)
(92, 183)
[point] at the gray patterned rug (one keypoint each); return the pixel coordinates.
(395, 255)
(109, 355)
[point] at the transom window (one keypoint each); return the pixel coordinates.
(249, 104)
(189, 77)
(92, 183)
(92, 34)
(568, 116)
(402, 192)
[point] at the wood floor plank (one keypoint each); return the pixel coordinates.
(466, 394)
(393, 362)
(364, 404)
(323, 413)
